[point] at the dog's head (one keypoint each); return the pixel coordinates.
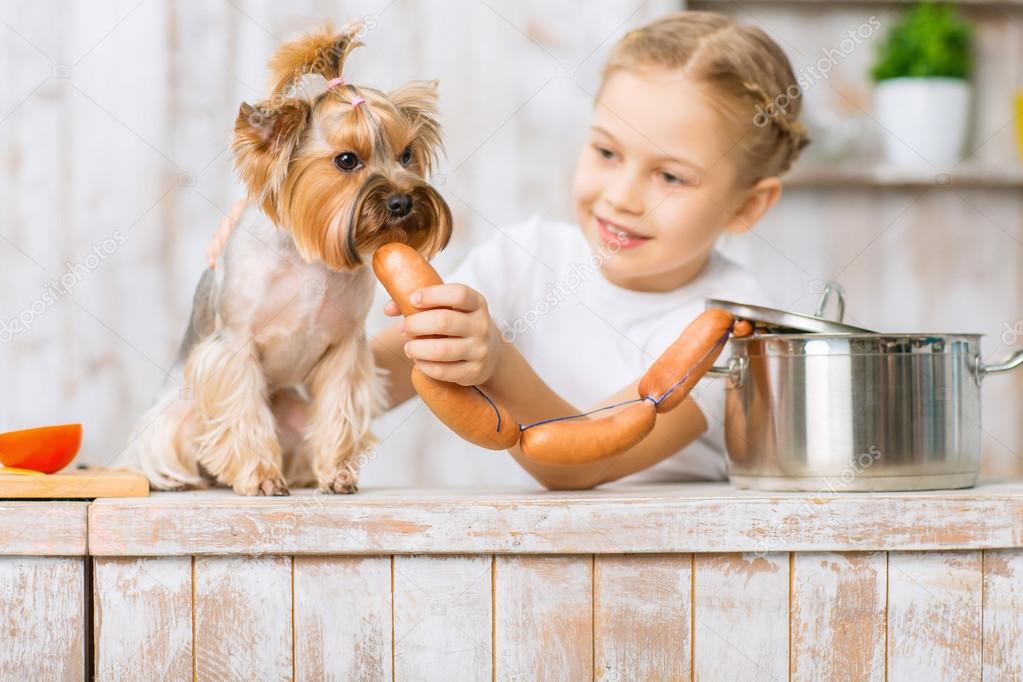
(342, 167)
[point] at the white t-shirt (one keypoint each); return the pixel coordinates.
(587, 338)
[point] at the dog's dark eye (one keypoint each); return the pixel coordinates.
(347, 162)
(406, 156)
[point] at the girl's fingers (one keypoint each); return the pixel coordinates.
(438, 321)
(452, 372)
(391, 308)
(456, 296)
(440, 350)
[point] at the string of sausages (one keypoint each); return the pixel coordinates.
(470, 413)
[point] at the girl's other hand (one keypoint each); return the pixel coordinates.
(471, 349)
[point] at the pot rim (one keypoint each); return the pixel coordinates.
(795, 336)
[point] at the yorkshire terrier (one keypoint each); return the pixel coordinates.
(331, 171)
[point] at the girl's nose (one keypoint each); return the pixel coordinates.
(625, 195)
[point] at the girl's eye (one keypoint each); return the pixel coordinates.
(604, 152)
(347, 162)
(672, 179)
(406, 156)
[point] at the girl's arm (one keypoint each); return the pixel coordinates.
(387, 347)
(475, 354)
(524, 394)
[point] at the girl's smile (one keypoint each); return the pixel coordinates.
(617, 237)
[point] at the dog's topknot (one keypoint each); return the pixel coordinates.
(322, 52)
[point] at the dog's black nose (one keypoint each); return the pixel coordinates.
(399, 205)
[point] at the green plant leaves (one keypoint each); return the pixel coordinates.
(929, 41)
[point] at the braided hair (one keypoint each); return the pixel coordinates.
(745, 73)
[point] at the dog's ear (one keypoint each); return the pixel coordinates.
(264, 140)
(417, 102)
(322, 51)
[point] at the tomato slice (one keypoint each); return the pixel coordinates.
(47, 449)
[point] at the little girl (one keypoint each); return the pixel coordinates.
(694, 121)
(687, 141)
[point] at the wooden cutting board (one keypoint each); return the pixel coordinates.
(74, 484)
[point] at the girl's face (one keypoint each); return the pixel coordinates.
(659, 164)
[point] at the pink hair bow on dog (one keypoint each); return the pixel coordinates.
(356, 101)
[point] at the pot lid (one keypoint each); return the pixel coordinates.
(777, 321)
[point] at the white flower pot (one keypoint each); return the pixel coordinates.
(924, 120)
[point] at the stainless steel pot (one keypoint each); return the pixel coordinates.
(855, 411)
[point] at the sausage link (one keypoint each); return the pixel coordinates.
(468, 413)
(693, 352)
(588, 440)
(403, 272)
(465, 411)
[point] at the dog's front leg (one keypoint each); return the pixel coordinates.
(347, 393)
(237, 442)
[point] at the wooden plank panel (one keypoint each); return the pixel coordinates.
(443, 616)
(1003, 615)
(741, 604)
(143, 618)
(243, 618)
(42, 618)
(343, 618)
(934, 616)
(838, 616)
(676, 518)
(642, 616)
(43, 529)
(543, 617)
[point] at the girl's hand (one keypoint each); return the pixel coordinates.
(472, 349)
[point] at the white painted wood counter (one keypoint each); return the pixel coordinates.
(690, 581)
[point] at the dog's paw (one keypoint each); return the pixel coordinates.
(269, 486)
(344, 482)
(273, 488)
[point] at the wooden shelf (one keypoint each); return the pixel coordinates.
(811, 175)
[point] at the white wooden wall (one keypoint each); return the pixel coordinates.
(114, 125)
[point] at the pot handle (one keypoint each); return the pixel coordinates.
(831, 288)
(734, 370)
(1011, 362)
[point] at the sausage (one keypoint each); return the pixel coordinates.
(474, 417)
(588, 440)
(693, 352)
(464, 410)
(403, 271)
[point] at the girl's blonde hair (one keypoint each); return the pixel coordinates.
(745, 72)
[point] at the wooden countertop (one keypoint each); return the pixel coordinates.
(613, 519)
(43, 528)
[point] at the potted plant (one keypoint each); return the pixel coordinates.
(922, 96)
